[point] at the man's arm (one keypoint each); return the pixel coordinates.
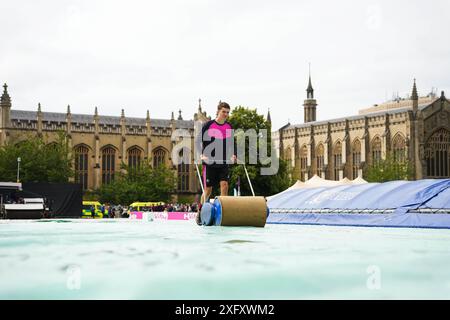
(203, 142)
(232, 144)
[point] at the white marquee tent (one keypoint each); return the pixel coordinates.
(316, 182)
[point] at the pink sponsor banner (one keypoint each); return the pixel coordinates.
(136, 215)
(165, 215)
(160, 215)
(177, 216)
(174, 215)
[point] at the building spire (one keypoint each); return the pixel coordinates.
(96, 112)
(310, 90)
(415, 98)
(172, 117)
(148, 115)
(199, 105)
(179, 115)
(414, 95)
(268, 116)
(122, 113)
(5, 96)
(310, 103)
(68, 109)
(39, 120)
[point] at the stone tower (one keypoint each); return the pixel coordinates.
(5, 114)
(200, 115)
(310, 103)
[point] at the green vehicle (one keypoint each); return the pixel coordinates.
(87, 210)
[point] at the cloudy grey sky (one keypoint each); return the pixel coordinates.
(164, 55)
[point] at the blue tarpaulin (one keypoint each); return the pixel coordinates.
(421, 203)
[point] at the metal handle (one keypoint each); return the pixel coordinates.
(200, 178)
(248, 178)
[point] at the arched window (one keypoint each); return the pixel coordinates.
(134, 158)
(399, 148)
(437, 154)
(108, 164)
(159, 157)
(356, 158)
(183, 171)
(376, 150)
(304, 162)
(320, 160)
(81, 166)
(337, 159)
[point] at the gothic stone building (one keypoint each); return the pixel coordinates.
(100, 143)
(417, 128)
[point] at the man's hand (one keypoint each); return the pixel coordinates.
(204, 158)
(233, 158)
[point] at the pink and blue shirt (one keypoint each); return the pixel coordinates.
(222, 136)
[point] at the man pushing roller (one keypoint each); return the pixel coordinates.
(218, 152)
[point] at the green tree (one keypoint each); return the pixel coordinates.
(40, 161)
(243, 119)
(389, 169)
(143, 183)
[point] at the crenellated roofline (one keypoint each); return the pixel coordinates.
(25, 115)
